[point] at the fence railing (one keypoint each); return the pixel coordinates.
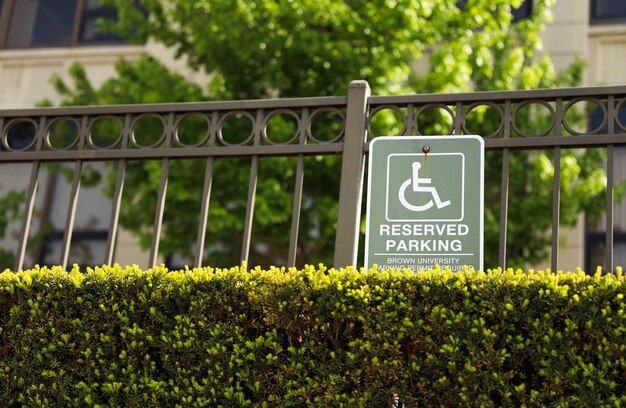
(355, 114)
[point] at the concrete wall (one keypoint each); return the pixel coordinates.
(566, 37)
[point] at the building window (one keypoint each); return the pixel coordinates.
(522, 11)
(595, 249)
(88, 248)
(54, 23)
(519, 13)
(608, 11)
(89, 33)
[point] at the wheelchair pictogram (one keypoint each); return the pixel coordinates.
(420, 185)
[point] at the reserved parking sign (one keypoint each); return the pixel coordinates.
(425, 202)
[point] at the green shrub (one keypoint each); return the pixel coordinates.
(311, 337)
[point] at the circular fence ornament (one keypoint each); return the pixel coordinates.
(105, 132)
(62, 134)
(20, 134)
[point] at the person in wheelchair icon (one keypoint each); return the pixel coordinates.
(417, 184)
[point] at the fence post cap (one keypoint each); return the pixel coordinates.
(359, 83)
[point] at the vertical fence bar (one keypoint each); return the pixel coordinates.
(160, 208)
(31, 195)
(559, 121)
(504, 187)
(247, 228)
(410, 125)
(206, 195)
(297, 194)
(158, 216)
(295, 217)
(204, 212)
(109, 256)
(610, 182)
(458, 119)
(352, 170)
(504, 208)
(254, 170)
(71, 209)
(556, 207)
(71, 215)
(115, 213)
(29, 205)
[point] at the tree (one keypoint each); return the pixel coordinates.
(9, 210)
(287, 48)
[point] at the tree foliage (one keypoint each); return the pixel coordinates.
(9, 211)
(287, 48)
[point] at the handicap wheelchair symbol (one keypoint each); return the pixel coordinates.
(414, 181)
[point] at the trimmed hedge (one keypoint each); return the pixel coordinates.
(311, 337)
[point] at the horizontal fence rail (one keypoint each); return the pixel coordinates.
(114, 133)
(126, 144)
(561, 106)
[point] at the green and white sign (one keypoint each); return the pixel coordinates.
(425, 202)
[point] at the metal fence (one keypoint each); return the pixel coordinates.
(355, 112)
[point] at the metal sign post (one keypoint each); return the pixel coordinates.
(425, 202)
